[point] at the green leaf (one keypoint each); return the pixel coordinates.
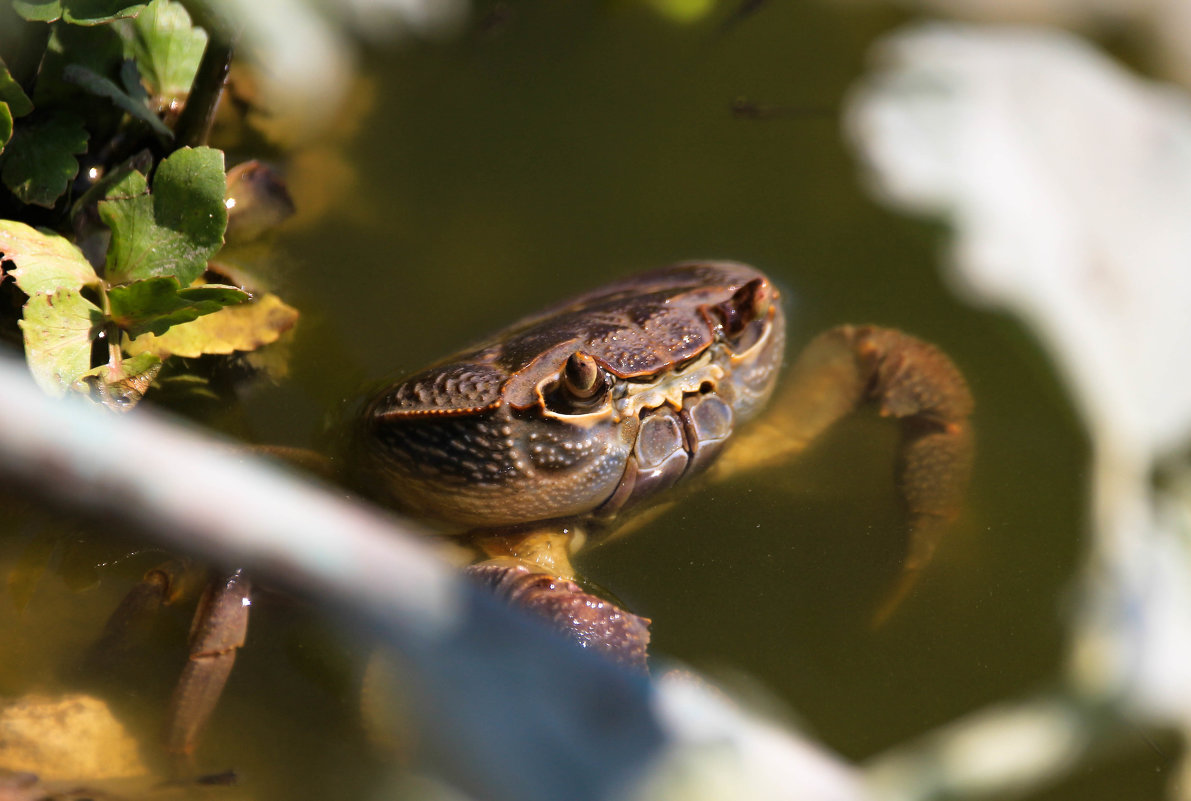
(100, 86)
(86, 203)
(167, 49)
(38, 10)
(175, 230)
(59, 327)
(77, 12)
(132, 252)
(12, 93)
(99, 49)
(156, 304)
(237, 328)
(5, 125)
(189, 191)
(44, 261)
(13, 103)
(97, 12)
(132, 184)
(40, 160)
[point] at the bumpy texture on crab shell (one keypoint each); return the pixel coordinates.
(633, 327)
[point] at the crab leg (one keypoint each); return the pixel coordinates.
(219, 627)
(127, 624)
(532, 569)
(908, 380)
(130, 617)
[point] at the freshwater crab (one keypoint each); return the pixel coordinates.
(555, 432)
(552, 433)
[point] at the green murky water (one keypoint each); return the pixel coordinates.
(581, 141)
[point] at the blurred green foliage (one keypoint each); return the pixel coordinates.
(119, 251)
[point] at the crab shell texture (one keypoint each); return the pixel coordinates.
(498, 436)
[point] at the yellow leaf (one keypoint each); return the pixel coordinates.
(234, 328)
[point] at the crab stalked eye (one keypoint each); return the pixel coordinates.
(581, 387)
(747, 304)
(742, 319)
(582, 377)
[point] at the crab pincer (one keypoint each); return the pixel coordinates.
(909, 381)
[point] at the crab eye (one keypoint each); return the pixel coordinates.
(581, 386)
(747, 304)
(742, 316)
(582, 377)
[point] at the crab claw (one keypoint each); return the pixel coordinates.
(590, 621)
(909, 381)
(914, 383)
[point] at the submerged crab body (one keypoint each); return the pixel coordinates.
(553, 430)
(586, 409)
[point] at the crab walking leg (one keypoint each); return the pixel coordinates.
(532, 569)
(219, 627)
(128, 624)
(908, 380)
(546, 547)
(143, 601)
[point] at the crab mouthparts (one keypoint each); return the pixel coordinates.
(671, 443)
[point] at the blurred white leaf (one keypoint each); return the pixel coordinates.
(718, 750)
(999, 751)
(1067, 181)
(305, 53)
(1165, 25)
(388, 19)
(1069, 184)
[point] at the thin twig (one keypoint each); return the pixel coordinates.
(194, 123)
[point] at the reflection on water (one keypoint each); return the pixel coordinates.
(503, 171)
(288, 724)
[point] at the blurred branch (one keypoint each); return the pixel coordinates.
(582, 726)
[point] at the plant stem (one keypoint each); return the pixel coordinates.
(111, 330)
(194, 124)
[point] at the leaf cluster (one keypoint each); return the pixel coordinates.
(111, 262)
